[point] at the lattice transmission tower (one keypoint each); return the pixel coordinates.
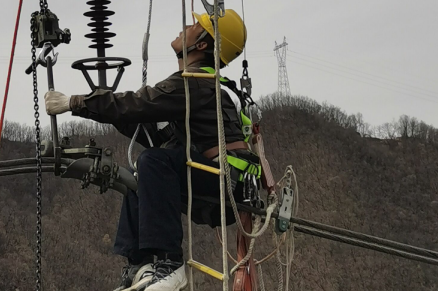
(283, 81)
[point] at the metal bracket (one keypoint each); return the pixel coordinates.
(101, 65)
(92, 165)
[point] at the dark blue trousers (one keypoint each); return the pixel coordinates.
(151, 218)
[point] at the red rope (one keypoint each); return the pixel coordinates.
(10, 66)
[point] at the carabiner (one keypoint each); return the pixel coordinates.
(246, 197)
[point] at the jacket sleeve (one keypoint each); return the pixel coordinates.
(164, 102)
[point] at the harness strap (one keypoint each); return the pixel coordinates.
(245, 167)
(230, 84)
(214, 152)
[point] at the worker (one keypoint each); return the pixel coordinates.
(150, 220)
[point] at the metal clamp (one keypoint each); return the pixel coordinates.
(285, 211)
(210, 8)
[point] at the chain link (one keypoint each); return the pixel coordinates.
(38, 156)
(43, 5)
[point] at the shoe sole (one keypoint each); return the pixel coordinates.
(141, 284)
(184, 285)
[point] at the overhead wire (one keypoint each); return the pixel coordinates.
(367, 245)
(357, 239)
(362, 72)
(368, 78)
(362, 63)
(375, 85)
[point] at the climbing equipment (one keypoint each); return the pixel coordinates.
(249, 178)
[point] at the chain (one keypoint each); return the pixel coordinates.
(38, 155)
(43, 5)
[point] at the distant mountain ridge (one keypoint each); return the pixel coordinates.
(381, 183)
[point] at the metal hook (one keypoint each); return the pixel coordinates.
(210, 8)
(47, 48)
(41, 59)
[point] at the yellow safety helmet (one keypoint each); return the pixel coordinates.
(232, 31)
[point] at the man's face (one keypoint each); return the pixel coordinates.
(192, 34)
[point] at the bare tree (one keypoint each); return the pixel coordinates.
(403, 126)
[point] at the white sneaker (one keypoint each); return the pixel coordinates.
(142, 277)
(169, 276)
(128, 274)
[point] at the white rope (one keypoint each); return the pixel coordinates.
(290, 235)
(223, 162)
(279, 272)
(144, 80)
(290, 242)
(250, 249)
(261, 281)
(188, 146)
(131, 146)
(146, 46)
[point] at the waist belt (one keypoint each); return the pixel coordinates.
(213, 152)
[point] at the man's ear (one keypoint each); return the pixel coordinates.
(201, 46)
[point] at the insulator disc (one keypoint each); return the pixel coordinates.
(98, 2)
(102, 13)
(99, 24)
(99, 35)
(99, 45)
(103, 40)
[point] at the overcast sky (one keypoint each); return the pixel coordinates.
(374, 57)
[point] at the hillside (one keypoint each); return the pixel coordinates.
(386, 188)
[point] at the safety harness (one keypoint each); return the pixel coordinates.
(248, 163)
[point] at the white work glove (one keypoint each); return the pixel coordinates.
(56, 103)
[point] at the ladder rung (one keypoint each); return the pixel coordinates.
(204, 168)
(199, 75)
(205, 269)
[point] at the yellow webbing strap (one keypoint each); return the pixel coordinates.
(254, 169)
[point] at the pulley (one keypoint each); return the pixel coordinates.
(47, 29)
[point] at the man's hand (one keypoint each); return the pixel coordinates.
(56, 103)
